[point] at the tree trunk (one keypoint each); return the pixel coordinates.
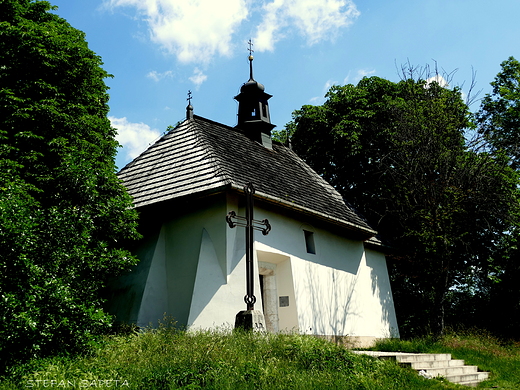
(437, 314)
(439, 299)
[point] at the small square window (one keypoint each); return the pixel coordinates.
(309, 242)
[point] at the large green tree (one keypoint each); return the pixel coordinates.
(397, 153)
(64, 215)
(498, 120)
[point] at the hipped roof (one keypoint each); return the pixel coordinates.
(202, 156)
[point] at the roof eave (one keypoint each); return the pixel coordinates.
(363, 231)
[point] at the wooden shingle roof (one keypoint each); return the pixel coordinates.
(200, 156)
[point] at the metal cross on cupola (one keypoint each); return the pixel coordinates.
(250, 318)
(251, 51)
(189, 108)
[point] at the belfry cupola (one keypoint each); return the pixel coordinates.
(253, 108)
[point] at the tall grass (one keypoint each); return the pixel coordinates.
(167, 358)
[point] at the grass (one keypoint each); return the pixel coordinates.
(167, 358)
(476, 347)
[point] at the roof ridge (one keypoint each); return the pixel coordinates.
(149, 149)
(211, 153)
(212, 122)
(187, 166)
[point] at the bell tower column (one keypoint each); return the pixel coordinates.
(253, 108)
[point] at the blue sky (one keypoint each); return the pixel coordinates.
(157, 50)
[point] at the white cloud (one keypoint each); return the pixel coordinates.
(439, 80)
(135, 137)
(156, 76)
(364, 73)
(193, 30)
(360, 73)
(327, 86)
(315, 20)
(198, 77)
(197, 30)
(317, 100)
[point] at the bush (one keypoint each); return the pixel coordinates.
(64, 215)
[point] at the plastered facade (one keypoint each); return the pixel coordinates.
(193, 270)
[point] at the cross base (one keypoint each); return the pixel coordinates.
(250, 320)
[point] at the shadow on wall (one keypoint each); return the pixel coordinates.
(381, 288)
(331, 275)
(330, 300)
(125, 292)
(339, 303)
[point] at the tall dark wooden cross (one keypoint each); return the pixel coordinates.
(250, 224)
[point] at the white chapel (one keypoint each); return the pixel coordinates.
(320, 270)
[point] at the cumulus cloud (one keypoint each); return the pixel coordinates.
(135, 137)
(157, 76)
(194, 31)
(197, 30)
(315, 20)
(364, 73)
(198, 77)
(439, 80)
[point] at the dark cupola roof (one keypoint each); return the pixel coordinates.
(253, 110)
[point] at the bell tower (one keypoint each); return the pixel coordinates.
(253, 108)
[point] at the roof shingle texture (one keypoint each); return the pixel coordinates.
(200, 155)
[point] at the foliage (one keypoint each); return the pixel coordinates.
(173, 359)
(397, 153)
(63, 213)
(499, 114)
(499, 122)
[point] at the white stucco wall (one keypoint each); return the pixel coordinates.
(342, 289)
(197, 275)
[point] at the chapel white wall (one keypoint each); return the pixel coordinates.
(343, 289)
(197, 275)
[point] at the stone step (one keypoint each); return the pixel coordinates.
(475, 377)
(425, 365)
(433, 365)
(404, 357)
(475, 383)
(423, 357)
(448, 371)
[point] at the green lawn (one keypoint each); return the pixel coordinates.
(173, 359)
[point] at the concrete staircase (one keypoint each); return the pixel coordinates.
(433, 365)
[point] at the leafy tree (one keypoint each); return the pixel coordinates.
(397, 152)
(499, 122)
(499, 114)
(64, 215)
